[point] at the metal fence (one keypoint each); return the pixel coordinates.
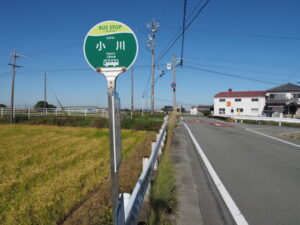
(68, 111)
(130, 204)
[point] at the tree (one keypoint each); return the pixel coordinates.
(2, 106)
(50, 106)
(40, 104)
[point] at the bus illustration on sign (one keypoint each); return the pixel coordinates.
(110, 62)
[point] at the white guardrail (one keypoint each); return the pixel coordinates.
(272, 119)
(129, 205)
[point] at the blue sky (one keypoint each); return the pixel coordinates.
(244, 45)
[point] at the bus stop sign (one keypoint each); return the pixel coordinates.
(110, 44)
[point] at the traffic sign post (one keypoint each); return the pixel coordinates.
(110, 48)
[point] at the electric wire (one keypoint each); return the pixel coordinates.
(5, 74)
(183, 31)
(230, 75)
(166, 50)
(179, 33)
(234, 61)
(249, 35)
(237, 69)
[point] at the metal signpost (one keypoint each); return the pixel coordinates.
(173, 86)
(110, 48)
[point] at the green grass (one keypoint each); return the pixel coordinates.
(45, 171)
(150, 123)
(163, 196)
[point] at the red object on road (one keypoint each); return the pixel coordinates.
(220, 125)
(195, 121)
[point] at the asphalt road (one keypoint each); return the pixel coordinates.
(261, 174)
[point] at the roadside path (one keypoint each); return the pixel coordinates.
(199, 201)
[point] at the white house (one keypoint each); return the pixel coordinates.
(194, 110)
(243, 103)
(200, 109)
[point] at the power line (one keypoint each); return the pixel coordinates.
(146, 90)
(177, 36)
(55, 49)
(250, 35)
(230, 75)
(53, 70)
(170, 101)
(244, 62)
(172, 43)
(5, 74)
(293, 74)
(183, 31)
(237, 69)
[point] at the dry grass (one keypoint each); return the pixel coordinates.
(293, 136)
(46, 172)
(163, 194)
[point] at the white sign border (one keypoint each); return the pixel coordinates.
(111, 21)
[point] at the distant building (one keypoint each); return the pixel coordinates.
(194, 110)
(198, 110)
(283, 101)
(167, 109)
(82, 109)
(244, 103)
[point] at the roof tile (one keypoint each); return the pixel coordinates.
(241, 94)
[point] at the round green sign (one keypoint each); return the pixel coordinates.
(110, 44)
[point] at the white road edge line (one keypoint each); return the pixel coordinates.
(234, 210)
(277, 139)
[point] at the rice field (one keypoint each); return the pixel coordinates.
(45, 170)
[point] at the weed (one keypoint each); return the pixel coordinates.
(163, 197)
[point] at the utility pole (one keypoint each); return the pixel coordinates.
(132, 92)
(153, 26)
(143, 106)
(174, 81)
(45, 92)
(14, 66)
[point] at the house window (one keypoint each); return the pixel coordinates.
(254, 110)
(221, 111)
(239, 109)
(296, 95)
(254, 99)
(278, 96)
(222, 100)
(238, 100)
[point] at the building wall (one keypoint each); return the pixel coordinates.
(194, 111)
(246, 105)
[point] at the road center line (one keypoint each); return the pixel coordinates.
(289, 143)
(234, 210)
